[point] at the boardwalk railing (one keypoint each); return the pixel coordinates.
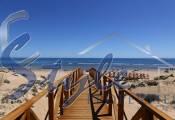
(56, 100)
(146, 111)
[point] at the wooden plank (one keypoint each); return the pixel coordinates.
(79, 110)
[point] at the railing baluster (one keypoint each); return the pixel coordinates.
(105, 91)
(78, 72)
(71, 85)
(121, 105)
(147, 115)
(75, 76)
(62, 101)
(28, 114)
(51, 105)
(110, 100)
(66, 91)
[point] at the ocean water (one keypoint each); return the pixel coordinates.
(86, 63)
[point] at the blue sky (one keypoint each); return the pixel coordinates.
(63, 28)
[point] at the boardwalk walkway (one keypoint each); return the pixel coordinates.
(79, 110)
(93, 104)
(85, 107)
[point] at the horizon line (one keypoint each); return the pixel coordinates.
(98, 57)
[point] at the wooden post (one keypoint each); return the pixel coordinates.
(66, 90)
(110, 74)
(51, 105)
(73, 79)
(28, 114)
(121, 105)
(66, 94)
(147, 115)
(72, 82)
(110, 100)
(78, 73)
(61, 101)
(105, 91)
(75, 75)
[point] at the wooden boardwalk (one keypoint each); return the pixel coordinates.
(92, 104)
(79, 110)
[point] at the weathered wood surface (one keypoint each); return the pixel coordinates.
(79, 110)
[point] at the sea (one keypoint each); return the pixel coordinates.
(86, 63)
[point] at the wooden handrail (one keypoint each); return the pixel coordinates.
(158, 113)
(147, 109)
(24, 107)
(27, 105)
(154, 111)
